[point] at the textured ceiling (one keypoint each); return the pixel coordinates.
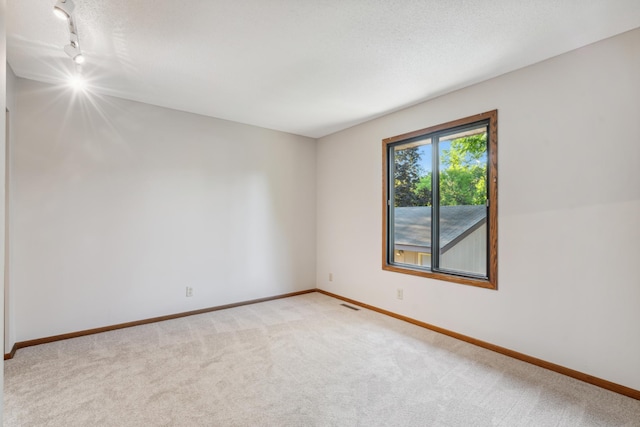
(309, 67)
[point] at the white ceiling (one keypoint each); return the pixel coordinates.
(309, 67)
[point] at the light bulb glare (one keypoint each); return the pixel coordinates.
(77, 82)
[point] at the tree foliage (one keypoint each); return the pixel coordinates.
(463, 177)
(424, 195)
(463, 174)
(407, 176)
(466, 151)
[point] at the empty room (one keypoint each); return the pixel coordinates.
(320, 213)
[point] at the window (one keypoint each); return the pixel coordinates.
(440, 193)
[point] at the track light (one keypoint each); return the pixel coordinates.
(74, 52)
(73, 48)
(63, 9)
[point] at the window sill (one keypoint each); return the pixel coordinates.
(480, 283)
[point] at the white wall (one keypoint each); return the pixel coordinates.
(9, 338)
(3, 105)
(118, 206)
(569, 198)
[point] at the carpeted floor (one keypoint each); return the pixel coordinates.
(300, 361)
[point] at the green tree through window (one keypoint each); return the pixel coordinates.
(407, 177)
(463, 181)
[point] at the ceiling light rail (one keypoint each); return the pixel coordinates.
(63, 9)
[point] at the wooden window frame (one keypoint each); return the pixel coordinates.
(491, 282)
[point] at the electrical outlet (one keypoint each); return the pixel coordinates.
(400, 293)
(331, 277)
(189, 291)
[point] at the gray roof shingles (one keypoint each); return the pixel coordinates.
(412, 225)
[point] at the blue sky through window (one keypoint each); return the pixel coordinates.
(425, 158)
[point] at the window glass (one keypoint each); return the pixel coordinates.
(412, 200)
(463, 201)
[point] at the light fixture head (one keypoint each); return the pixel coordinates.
(63, 9)
(74, 52)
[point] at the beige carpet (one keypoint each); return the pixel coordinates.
(301, 361)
